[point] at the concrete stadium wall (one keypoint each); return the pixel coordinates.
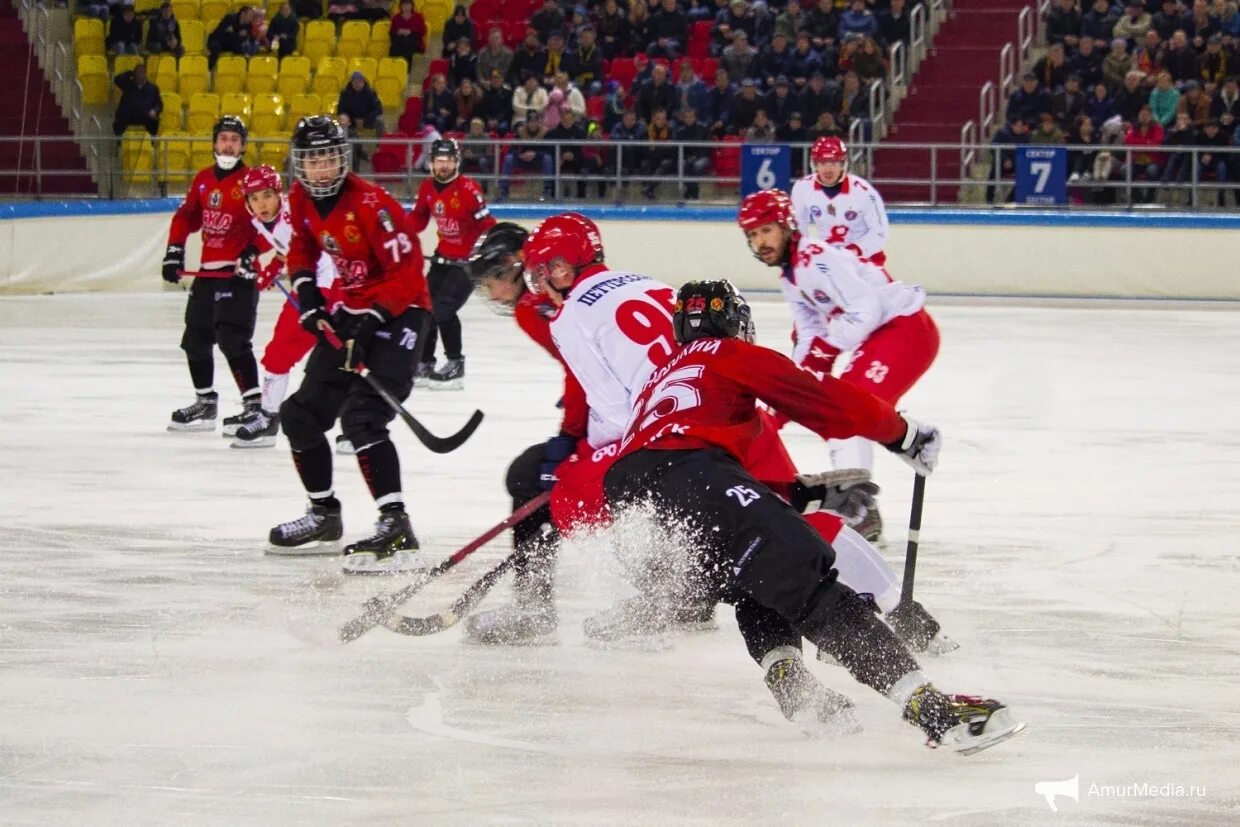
(89, 246)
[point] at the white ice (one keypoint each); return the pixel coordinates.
(1079, 542)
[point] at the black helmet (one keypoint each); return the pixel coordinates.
(321, 138)
(446, 148)
(230, 123)
(711, 309)
(496, 256)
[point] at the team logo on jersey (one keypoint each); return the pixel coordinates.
(329, 243)
(821, 297)
(237, 194)
(215, 198)
(439, 208)
(851, 215)
(386, 220)
(815, 212)
(350, 216)
(371, 199)
(352, 234)
(456, 203)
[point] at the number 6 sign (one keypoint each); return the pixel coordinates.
(764, 167)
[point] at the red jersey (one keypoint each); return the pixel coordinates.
(460, 211)
(367, 237)
(534, 314)
(215, 205)
(706, 394)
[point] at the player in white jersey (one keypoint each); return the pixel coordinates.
(846, 209)
(289, 341)
(843, 303)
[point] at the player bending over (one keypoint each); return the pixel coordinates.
(692, 422)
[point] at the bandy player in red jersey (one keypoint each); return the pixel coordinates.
(220, 311)
(846, 209)
(384, 309)
(572, 468)
(692, 423)
(841, 303)
(461, 216)
(289, 340)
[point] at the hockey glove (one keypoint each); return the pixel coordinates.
(359, 340)
(309, 296)
(919, 447)
(248, 267)
(848, 492)
(555, 451)
(316, 321)
(174, 263)
(821, 358)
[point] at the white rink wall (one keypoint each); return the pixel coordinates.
(99, 246)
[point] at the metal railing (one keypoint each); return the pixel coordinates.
(622, 171)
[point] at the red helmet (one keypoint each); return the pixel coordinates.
(569, 236)
(259, 178)
(766, 207)
(828, 149)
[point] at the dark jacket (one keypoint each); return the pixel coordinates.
(1060, 24)
(651, 97)
(584, 66)
(699, 132)
(719, 106)
(122, 32)
(229, 37)
(283, 27)
(1028, 105)
(496, 106)
(453, 31)
(160, 31)
(361, 106)
(526, 63)
(136, 103)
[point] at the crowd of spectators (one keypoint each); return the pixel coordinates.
(1138, 74)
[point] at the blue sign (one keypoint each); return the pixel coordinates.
(764, 167)
(1041, 175)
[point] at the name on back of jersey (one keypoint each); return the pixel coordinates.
(598, 291)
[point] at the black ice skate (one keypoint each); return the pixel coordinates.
(199, 416)
(918, 629)
(422, 374)
(962, 723)
(251, 410)
(806, 702)
(318, 532)
(387, 551)
(259, 432)
(450, 377)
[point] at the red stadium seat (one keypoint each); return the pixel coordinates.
(726, 158)
(595, 107)
(514, 33)
(411, 118)
(386, 161)
(624, 70)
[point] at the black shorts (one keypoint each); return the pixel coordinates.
(449, 287)
(219, 311)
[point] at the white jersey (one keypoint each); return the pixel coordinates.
(613, 330)
(842, 299)
(281, 233)
(854, 218)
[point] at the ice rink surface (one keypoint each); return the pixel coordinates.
(1079, 542)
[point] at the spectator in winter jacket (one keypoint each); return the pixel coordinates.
(1068, 103)
(359, 106)
(573, 99)
(1029, 101)
(867, 61)
(1099, 106)
(816, 98)
(823, 23)
(1117, 63)
(463, 63)
(780, 103)
(1083, 143)
(1199, 24)
(456, 27)
(719, 105)
(571, 161)
(495, 56)
(1196, 103)
(556, 55)
(496, 106)
(1134, 24)
(163, 36)
(761, 131)
(697, 158)
(1130, 97)
(529, 100)
(858, 20)
(1179, 58)
(669, 30)
(1146, 164)
(791, 21)
(1052, 69)
(854, 99)
(1215, 64)
(408, 33)
(548, 20)
(585, 63)
(125, 33)
(1167, 20)
(894, 25)
(1148, 58)
(1099, 22)
(613, 31)
(529, 152)
(233, 36)
(775, 61)
(691, 93)
(805, 61)
(467, 100)
(529, 61)
(613, 105)
(1164, 98)
(825, 127)
(745, 105)
(740, 60)
(1087, 62)
(657, 93)
(1225, 106)
(729, 23)
(1063, 23)
(282, 31)
(477, 158)
(639, 27)
(628, 129)
(1048, 132)
(659, 161)
(439, 103)
(140, 102)
(1014, 133)
(1179, 164)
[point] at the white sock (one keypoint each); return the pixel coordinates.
(864, 570)
(904, 688)
(275, 386)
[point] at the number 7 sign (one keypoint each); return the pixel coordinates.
(1041, 175)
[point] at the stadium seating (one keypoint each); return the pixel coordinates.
(354, 38)
(193, 37)
(204, 111)
(137, 156)
(436, 13)
(96, 83)
(380, 40)
(176, 160)
(294, 77)
(268, 117)
(124, 63)
(230, 71)
(192, 75)
(185, 10)
(302, 106)
(88, 36)
(261, 75)
(394, 67)
(330, 77)
(213, 10)
(236, 103)
(389, 91)
(368, 66)
(170, 117)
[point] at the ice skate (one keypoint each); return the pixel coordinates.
(259, 432)
(804, 701)
(918, 629)
(344, 446)
(962, 723)
(643, 615)
(199, 416)
(317, 533)
(248, 413)
(422, 374)
(388, 551)
(450, 377)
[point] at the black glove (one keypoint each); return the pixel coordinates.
(174, 263)
(248, 267)
(555, 451)
(311, 318)
(359, 339)
(309, 296)
(919, 447)
(848, 492)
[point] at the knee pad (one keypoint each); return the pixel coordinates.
(364, 424)
(300, 424)
(197, 343)
(785, 565)
(233, 340)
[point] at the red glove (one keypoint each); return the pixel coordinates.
(821, 357)
(270, 273)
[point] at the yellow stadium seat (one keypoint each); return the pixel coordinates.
(204, 111)
(96, 83)
(170, 118)
(316, 50)
(173, 159)
(137, 156)
(192, 75)
(165, 77)
(124, 63)
(193, 37)
(394, 67)
(350, 49)
(156, 62)
(293, 83)
(368, 66)
(268, 116)
(141, 7)
(229, 74)
(185, 10)
(436, 13)
(274, 153)
(213, 10)
(236, 103)
(329, 106)
(391, 93)
(88, 36)
(380, 40)
(320, 30)
(303, 106)
(354, 36)
(201, 154)
(261, 77)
